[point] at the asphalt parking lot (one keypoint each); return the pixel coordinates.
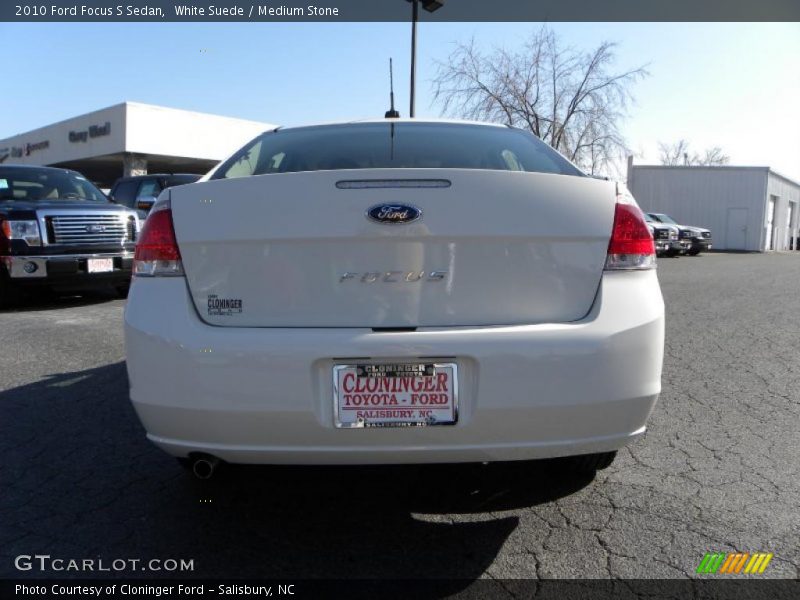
(717, 471)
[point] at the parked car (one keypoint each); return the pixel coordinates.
(396, 291)
(58, 230)
(698, 238)
(139, 192)
(663, 237)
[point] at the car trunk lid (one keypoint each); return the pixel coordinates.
(300, 250)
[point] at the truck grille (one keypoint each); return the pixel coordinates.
(85, 229)
(662, 234)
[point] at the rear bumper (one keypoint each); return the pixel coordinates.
(66, 270)
(264, 395)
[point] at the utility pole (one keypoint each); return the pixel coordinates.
(430, 6)
(414, 18)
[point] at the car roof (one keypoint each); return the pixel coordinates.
(428, 121)
(374, 120)
(37, 167)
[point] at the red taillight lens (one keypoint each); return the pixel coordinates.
(630, 234)
(157, 250)
(157, 240)
(4, 243)
(631, 245)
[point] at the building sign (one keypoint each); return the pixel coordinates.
(28, 149)
(93, 132)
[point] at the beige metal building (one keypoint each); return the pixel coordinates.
(132, 139)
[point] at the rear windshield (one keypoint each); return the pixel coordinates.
(32, 184)
(395, 146)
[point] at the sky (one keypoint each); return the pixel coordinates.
(733, 85)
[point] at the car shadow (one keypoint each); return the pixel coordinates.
(80, 480)
(43, 299)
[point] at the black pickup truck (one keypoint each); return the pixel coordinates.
(58, 230)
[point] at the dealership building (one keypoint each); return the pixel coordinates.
(132, 139)
(746, 208)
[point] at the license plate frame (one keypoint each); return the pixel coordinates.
(414, 414)
(99, 265)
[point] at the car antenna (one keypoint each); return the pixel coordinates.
(391, 113)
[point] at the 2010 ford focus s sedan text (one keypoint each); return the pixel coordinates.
(395, 291)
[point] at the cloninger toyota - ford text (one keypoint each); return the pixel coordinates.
(395, 291)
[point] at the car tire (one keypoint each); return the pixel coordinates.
(589, 463)
(694, 252)
(122, 290)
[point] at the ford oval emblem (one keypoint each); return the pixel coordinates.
(391, 214)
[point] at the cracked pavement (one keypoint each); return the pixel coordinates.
(717, 471)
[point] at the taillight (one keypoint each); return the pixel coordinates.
(5, 244)
(157, 253)
(631, 245)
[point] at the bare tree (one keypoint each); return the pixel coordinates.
(570, 99)
(674, 154)
(678, 153)
(714, 157)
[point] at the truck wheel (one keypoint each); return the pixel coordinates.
(589, 463)
(694, 252)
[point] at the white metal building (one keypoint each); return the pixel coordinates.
(746, 208)
(132, 139)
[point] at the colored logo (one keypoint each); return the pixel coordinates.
(735, 562)
(394, 213)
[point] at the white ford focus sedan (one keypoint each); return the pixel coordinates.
(395, 291)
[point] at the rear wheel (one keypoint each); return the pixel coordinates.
(122, 290)
(589, 463)
(694, 252)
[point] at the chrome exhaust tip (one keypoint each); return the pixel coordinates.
(204, 467)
